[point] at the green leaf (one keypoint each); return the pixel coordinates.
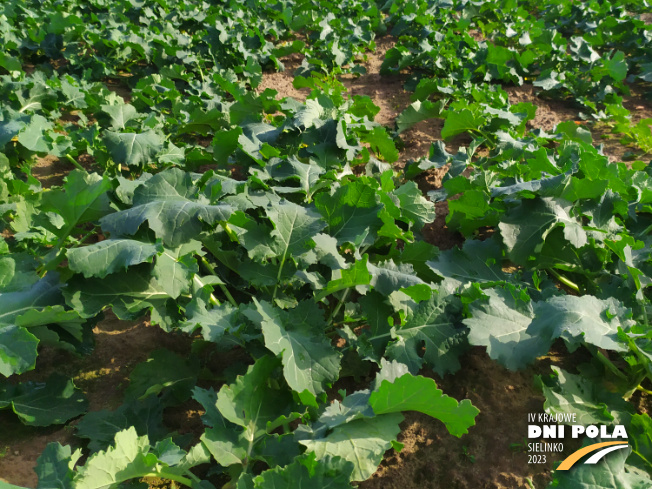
(294, 228)
(83, 199)
(573, 394)
(120, 115)
(382, 144)
(169, 203)
(252, 401)
(419, 111)
(53, 466)
(41, 294)
(461, 121)
(584, 319)
(476, 262)
(525, 228)
(175, 268)
(356, 274)
(433, 329)
(130, 293)
(501, 323)
(132, 149)
(18, 350)
(362, 442)
(109, 256)
(415, 208)
(33, 135)
(310, 363)
(165, 372)
(128, 459)
(43, 404)
(417, 393)
(640, 439)
(100, 427)
(351, 212)
(306, 472)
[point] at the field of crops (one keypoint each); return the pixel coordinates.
(258, 244)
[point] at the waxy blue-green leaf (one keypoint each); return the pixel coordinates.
(18, 350)
(44, 403)
(130, 293)
(174, 268)
(476, 262)
(111, 255)
(418, 111)
(434, 330)
(53, 467)
(253, 400)
(82, 199)
(310, 363)
(584, 319)
(133, 149)
(362, 442)
(590, 402)
(306, 472)
(121, 115)
(351, 212)
(525, 228)
(501, 324)
(170, 203)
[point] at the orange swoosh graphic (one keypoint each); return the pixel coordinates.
(574, 457)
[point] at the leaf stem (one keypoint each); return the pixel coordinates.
(643, 389)
(337, 307)
(163, 474)
(75, 163)
(222, 286)
(212, 299)
(564, 280)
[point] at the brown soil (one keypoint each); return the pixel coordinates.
(50, 170)
(102, 376)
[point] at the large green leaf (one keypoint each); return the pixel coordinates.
(351, 212)
(461, 121)
(525, 228)
(18, 350)
(133, 149)
(111, 255)
(308, 473)
(584, 319)
(433, 328)
(310, 363)
(294, 228)
(418, 111)
(362, 442)
(82, 199)
(567, 393)
(501, 324)
(417, 393)
(175, 268)
(172, 206)
(130, 293)
(253, 400)
(128, 459)
(44, 403)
